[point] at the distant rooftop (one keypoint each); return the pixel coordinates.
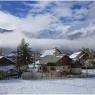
(1, 57)
(11, 54)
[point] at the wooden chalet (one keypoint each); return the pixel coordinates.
(58, 64)
(6, 65)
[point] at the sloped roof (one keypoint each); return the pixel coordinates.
(1, 57)
(74, 55)
(11, 54)
(50, 59)
(5, 61)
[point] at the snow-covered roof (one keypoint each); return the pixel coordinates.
(74, 55)
(6, 61)
(11, 54)
(50, 59)
(1, 57)
(60, 55)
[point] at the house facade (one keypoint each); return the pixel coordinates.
(76, 68)
(58, 65)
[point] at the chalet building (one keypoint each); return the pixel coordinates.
(58, 65)
(53, 62)
(36, 56)
(6, 65)
(78, 56)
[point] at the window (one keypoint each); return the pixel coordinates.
(52, 68)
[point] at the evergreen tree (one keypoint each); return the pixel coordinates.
(23, 55)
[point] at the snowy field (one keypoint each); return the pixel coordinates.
(53, 86)
(57, 86)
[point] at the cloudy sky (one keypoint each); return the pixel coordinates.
(48, 24)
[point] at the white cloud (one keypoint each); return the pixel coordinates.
(65, 43)
(8, 21)
(34, 26)
(10, 39)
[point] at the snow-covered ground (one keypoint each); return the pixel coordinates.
(53, 86)
(56, 86)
